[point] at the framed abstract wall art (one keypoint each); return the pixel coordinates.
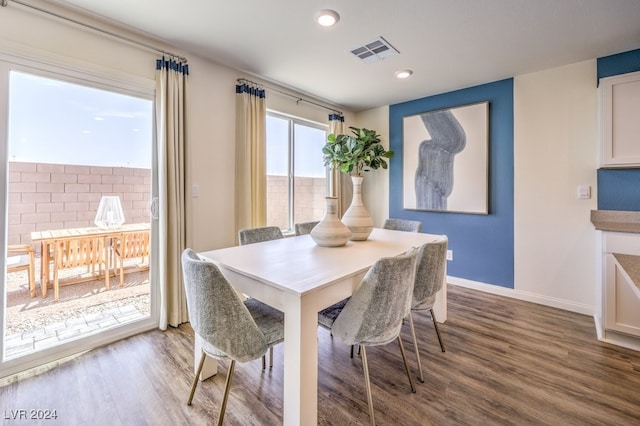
(445, 160)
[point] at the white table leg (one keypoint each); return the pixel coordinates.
(210, 367)
(300, 363)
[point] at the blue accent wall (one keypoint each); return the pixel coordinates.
(482, 244)
(619, 189)
(620, 63)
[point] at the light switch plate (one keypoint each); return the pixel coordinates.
(584, 192)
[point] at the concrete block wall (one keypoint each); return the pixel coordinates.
(60, 196)
(309, 196)
(309, 199)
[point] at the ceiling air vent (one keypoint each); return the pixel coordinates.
(375, 51)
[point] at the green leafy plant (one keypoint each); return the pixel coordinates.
(357, 153)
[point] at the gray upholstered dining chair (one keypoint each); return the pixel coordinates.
(430, 275)
(402, 225)
(258, 235)
(228, 328)
(374, 313)
(303, 228)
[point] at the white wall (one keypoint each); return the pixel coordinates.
(23, 30)
(290, 105)
(210, 155)
(555, 130)
(375, 187)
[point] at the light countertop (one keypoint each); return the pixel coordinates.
(616, 221)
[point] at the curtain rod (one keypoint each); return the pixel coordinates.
(297, 98)
(4, 3)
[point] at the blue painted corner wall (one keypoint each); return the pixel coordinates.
(482, 245)
(620, 63)
(619, 189)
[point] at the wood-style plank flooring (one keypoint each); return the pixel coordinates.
(507, 362)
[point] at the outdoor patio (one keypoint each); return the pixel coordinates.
(84, 308)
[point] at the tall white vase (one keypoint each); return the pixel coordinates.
(331, 232)
(357, 217)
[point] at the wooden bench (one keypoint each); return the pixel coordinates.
(95, 248)
(131, 245)
(76, 252)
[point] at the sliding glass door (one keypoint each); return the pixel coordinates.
(73, 275)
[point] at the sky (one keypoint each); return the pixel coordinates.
(307, 149)
(51, 121)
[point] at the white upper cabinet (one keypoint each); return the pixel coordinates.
(620, 121)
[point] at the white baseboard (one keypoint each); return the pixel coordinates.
(598, 322)
(523, 295)
(620, 339)
(615, 338)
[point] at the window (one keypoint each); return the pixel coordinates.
(296, 176)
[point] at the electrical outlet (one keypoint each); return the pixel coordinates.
(449, 254)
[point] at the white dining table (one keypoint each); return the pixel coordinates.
(300, 278)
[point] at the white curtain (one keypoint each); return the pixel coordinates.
(339, 183)
(171, 84)
(251, 158)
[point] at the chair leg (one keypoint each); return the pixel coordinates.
(227, 387)
(56, 284)
(415, 346)
(264, 359)
(365, 367)
(406, 365)
(352, 349)
(106, 275)
(32, 277)
(435, 324)
(195, 380)
(121, 263)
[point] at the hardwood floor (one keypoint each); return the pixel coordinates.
(507, 362)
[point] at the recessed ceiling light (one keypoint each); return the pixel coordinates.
(327, 17)
(403, 74)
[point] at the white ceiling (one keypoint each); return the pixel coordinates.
(449, 44)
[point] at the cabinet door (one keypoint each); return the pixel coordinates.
(622, 302)
(620, 123)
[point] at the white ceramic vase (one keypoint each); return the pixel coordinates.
(331, 232)
(357, 217)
